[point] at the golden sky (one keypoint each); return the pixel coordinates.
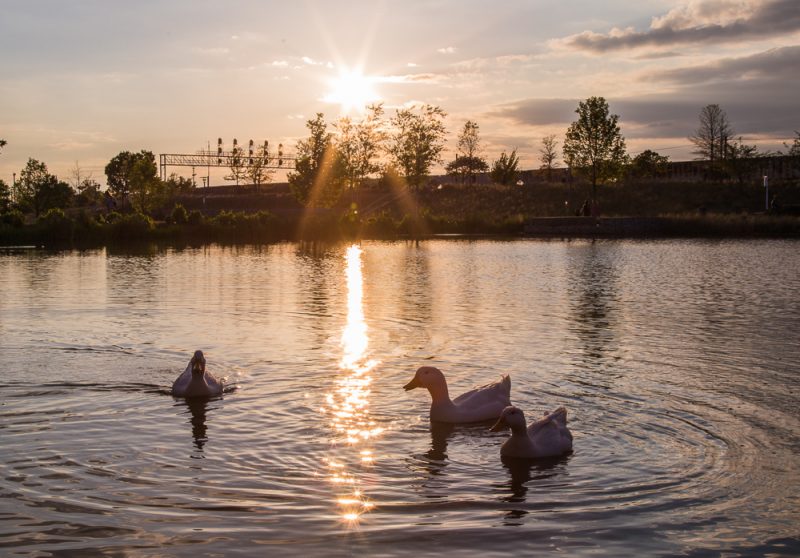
(83, 80)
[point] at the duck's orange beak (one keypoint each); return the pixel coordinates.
(412, 384)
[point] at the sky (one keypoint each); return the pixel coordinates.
(81, 81)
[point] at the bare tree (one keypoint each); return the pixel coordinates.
(237, 163)
(711, 137)
(549, 155)
(258, 166)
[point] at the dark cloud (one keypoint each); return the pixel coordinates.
(751, 108)
(540, 112)
(780, 64)
(759, 92)
(695, 25)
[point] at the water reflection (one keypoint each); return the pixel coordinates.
(595, 302)
(198, 406)
(523, 471)
(347, 406)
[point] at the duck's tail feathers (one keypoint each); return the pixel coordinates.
(559, 416)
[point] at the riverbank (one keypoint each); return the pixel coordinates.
(545, 210)
(59, 229)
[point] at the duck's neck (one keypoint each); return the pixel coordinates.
(439, 394)
(519, 430)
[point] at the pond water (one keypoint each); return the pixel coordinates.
(678, 361)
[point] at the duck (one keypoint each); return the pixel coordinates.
(546, 437)
(477, 405)
(195, 381)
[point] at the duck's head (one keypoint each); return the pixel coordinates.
(198, 363)
(427, 377)
(511, 417)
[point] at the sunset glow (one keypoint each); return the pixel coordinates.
(352, 91)
(348, 404)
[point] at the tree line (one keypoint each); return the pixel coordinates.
(401, 150)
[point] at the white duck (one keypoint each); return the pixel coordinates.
(546, 437)
(195, 381)
(480, 404)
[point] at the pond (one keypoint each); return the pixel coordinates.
(678, 362)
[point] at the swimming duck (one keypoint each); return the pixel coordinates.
(546, 437)
(479, 404)
(195, 381)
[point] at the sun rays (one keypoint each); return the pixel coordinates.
(352, 91)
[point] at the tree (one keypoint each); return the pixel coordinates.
(38, 190)
(417, 141)
(52, 194)
(359, 144)
(739, 159)
(549, 155)
(464, 166)
(88, 192)
(120, 171)
(504, 169)
(468, 162)
(237, 164)
(318, 177)
(2, 144)
(258, 166)
(145, 185)
(712, 135)
(794, 148)
(594, 146)
(5, 197)
(649, 164)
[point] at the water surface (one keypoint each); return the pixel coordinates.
(678, 362)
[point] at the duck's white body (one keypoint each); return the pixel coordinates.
(195, 381)
(546, 437)
(480, 404)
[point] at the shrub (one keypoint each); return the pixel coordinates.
(134, 226)
(179, 216)
(55, 226)
(196, 218)
(13, 218)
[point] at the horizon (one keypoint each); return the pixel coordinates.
(83, 82)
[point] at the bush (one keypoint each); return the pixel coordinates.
(54, 226)
(13, 218)
(196, 218)
(179, 216)
(134, 226)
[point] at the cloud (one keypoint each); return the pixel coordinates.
(446, 50)
(698, 22)
(751, 107)
(409, 78)
(280, 63)
(779, 64)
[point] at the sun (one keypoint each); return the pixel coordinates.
(352, 90)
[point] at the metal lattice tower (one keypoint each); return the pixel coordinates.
(223, 159)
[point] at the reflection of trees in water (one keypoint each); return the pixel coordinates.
(316, 260)
(416, 284)
(594, 300)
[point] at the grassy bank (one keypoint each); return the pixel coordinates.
(650, 210)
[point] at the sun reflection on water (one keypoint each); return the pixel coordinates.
(347, 406)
